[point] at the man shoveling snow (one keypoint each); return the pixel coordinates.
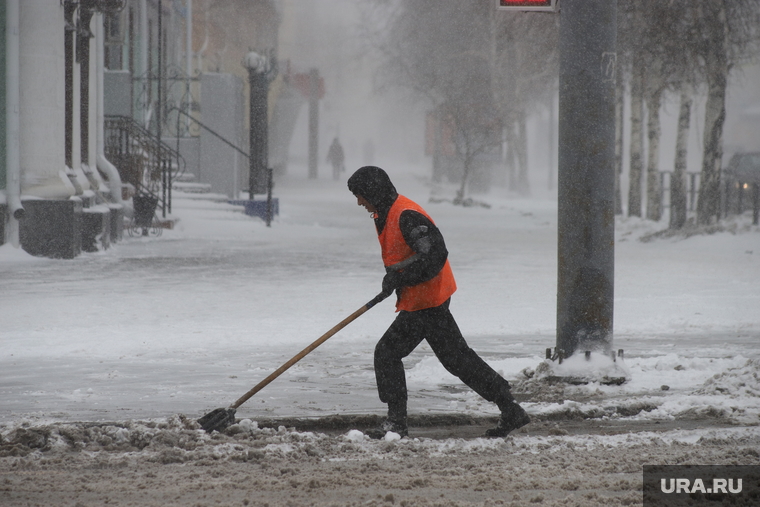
(418, 270)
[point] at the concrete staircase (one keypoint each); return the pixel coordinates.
(185, 187)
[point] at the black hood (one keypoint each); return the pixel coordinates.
(375, 186)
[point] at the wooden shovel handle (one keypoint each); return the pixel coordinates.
(319, 341)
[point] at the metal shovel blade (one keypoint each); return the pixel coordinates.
(218, 419)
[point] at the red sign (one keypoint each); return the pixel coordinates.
(302, 82)
(527, 5)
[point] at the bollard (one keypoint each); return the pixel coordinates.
(270, 173)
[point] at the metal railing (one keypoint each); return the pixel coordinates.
(143, 160)
(269, 171)
(691, 190)
(735, 196)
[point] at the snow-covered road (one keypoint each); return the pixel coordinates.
(191, 320)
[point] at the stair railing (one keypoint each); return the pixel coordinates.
(144, 161)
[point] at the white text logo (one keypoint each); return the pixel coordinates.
(698, 486)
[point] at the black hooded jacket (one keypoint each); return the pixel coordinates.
(422, 236)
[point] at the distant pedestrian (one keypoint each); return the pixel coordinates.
(418, 270)
(337, 158)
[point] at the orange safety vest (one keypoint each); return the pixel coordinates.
(428, 294)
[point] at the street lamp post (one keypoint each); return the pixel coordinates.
(259, 70)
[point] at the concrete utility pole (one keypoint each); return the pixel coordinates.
(586, 175)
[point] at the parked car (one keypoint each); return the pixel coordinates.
(742, 178)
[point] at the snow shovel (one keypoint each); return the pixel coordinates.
(220, 418)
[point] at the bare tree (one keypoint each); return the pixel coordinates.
(468, 105)
(524, 78)
(677, 45)
(654, 101)
(689, 74)
(661, 39)
(631, 68)
(729, 33)
(439, 50)
(474, 136)
(637, 138)
(678, 178)
(716, 63)
(479, 69)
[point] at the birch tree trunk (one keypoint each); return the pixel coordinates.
(708, 205)
(654, 195)
(637, 139)
(678, 179)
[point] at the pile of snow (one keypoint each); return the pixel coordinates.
(12, 255)
(180, 440)
(596, 367)
(667, 387)
(735, 382)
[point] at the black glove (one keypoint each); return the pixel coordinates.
(391, 281)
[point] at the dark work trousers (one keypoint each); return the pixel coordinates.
(437, 326)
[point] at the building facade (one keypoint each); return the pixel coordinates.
(96, 100)
(60, 194)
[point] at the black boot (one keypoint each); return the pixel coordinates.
(396, 422)
(512, 417)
